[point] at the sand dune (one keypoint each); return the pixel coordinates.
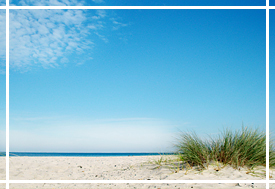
(121, 168)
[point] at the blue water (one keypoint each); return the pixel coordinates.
(43, 154)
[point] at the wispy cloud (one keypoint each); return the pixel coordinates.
(126, 119)
(46, 37)
(50, 2)
(98, 1)
(34, 118)
(117, 24)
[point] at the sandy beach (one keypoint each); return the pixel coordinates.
(139, 186)
(272, 173)
(2, 168)
(121, 168)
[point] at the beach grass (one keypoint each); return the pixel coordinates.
(245, 147)
(193, 150)
(271, 152)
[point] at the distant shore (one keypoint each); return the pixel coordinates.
(121, 168)
(74, 154)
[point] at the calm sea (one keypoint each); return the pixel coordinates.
(43, 154)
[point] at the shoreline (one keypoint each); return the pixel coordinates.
(81, 156)
(75, 154)
(122, 168)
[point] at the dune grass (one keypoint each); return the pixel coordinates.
(246, 147)
(271, 152)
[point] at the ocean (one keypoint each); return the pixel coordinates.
(51, 154)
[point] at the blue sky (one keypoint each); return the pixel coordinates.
(129, 80)
(141, 2)
(2, 80)
(271, 71)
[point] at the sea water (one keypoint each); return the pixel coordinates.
(54, 154)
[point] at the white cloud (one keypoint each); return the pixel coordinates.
(26, 118)
(45, 37)
(53, 2)
(116, 24)
(50, 3)
(102, 37)
(98, 1)
(101, 13)
(126, 119)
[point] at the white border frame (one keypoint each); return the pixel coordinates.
(8, 7)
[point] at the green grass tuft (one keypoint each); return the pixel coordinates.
(271, 152)
(193, 150)
(240, 148)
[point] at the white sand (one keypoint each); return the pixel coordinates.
(138, 186)
(2, 168)
(119, 168)
(2, 185)
(272, 173)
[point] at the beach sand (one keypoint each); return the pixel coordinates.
(272, 173)
(138, 186)
(2, 185)
(121, 168)
(2, 168)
